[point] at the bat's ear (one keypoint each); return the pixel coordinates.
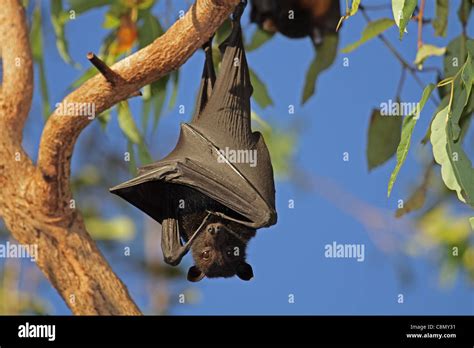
(195, 274)
(244, 271)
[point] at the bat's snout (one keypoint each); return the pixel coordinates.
(214, 229)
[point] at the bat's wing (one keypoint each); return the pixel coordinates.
(207, 81)
(197, 162)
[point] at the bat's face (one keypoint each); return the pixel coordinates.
(219, 251)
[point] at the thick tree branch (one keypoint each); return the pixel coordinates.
(35, 201)
(16, 89)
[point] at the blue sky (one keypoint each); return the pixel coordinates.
(289, 258)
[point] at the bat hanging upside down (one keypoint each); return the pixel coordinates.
(205, 201)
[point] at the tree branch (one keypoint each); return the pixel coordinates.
(16, 91)
(36, 201)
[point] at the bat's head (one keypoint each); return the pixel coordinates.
(220, 251)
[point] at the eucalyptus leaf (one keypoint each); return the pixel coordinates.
(259, 37)
(383, 138)
(402, 13)
(440, 23)
(372, 30)
(260, 92)
(407, 130)
(426, 51)
(59, 19)
(326, 53)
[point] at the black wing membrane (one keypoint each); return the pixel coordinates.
(221, 120)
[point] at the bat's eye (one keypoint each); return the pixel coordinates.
(206, 255)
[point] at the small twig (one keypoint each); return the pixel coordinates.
(400, 83)
(104, 69)
(411, 69)
(420, 23)
(135, 94)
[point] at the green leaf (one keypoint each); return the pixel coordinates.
(426, 51)
(127, 123)
(407, 130)
(444, 102)
(143, 154)
(349, 12)
(111, 21)
(354, 7)
(383, 138)
(471, 221)
(402, 13)
(440, 23)
(223, 32)
(81, 6)
(460, 99)
(36, 40)
(149, 31)
(455, 55)
(371, 30)
(120, 228)
(132, 165)
(467, 75)
(154, 94)
(259, 37)
(465, 11)
(260, 92)
(462, 167)
(280, 143)
(439, 140)
(174, 93)
(59, 18)
(325, 56)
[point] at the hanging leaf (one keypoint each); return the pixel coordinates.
(59, 18)
(455, 56)
(440, 23)
(155, 94)
(127, 123)
(36, 40)
(373, 29)
(418, 197)
(439, 141)
(426, 51)
(325, 56)
(260, 92)
(174, 93)
(259, 37)
(462, 167)
(407, 130)
(383, 138)
(129, 128)
(132, 163)
(281, 145)
(442, 105)
(465, 11)
(402, 13)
